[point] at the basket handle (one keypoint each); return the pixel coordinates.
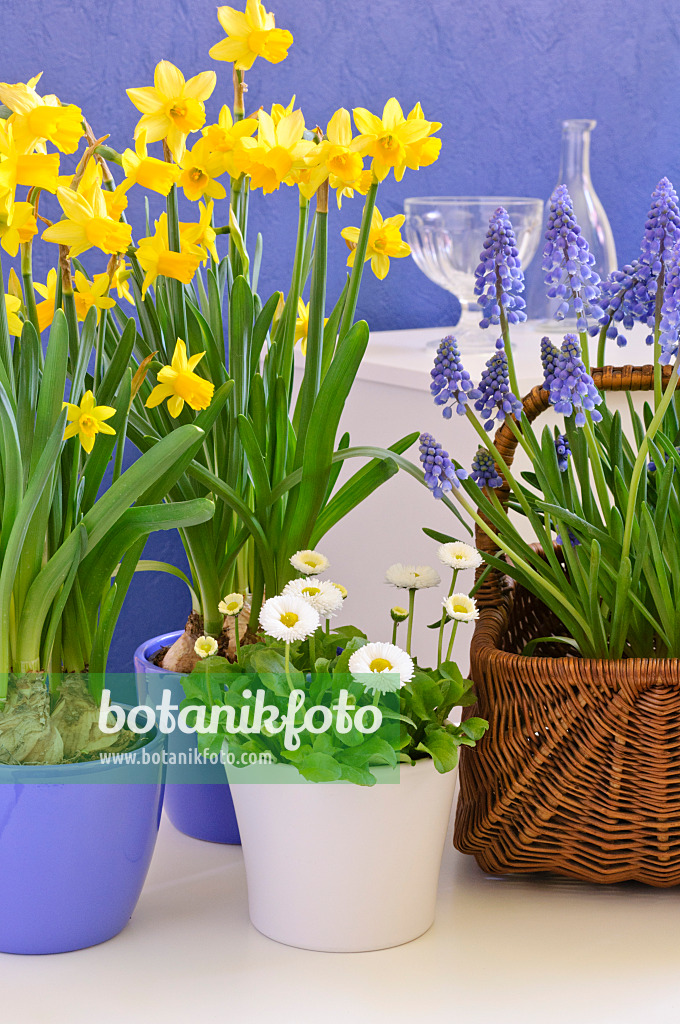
(608, 378)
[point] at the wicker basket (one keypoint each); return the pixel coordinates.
(579, 774)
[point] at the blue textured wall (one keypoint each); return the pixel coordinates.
(500, 75)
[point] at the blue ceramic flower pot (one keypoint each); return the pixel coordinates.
(201, 808)
(76, 841)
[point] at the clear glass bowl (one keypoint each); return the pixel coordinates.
(446, 235)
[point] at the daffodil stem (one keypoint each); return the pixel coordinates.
(69, 304)
(176, 287)
(411, 609)
(287, 326)
(99, 355)
(27, 277)
(311, 380)
(358, 266)
(239, 90)
(443, 622)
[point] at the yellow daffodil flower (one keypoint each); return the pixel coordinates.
(12, 306)
(384, 241)
(117, 201)
(171, 107)
(90, 188)
(14, 285)
(179, 384)
(390, 140)
(87, 420)
(87, 224)
(119, 281)
(224, 136)
(156, 257)
(200, 238)
(276, 154)
(249, 35)
(92, 293)
(278, 110)
(17, 224)
(302, 325)
(334, 157)
(20, 168)
(425, 152)
(147, 171)
(199, 170)
(39, 119)
(361, 186)
(48, 291)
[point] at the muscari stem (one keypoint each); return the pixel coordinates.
(505, 332)
(658, 370)
(641, 460)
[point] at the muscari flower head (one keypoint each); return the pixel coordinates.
(484, 471)
(670, 309)
(495, 396)
(549, 356)
(563, 452)
(568, 263)
(499, 278)
(440, 473)
(450, 381)
(630, 293)
(572, 389)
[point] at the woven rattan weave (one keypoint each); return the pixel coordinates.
(579, 773)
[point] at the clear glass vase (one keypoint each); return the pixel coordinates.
(575, 174)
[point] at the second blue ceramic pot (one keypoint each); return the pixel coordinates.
(201, 808)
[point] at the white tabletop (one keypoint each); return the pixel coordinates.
(501, 951)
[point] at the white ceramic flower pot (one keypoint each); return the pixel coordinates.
(339, 867)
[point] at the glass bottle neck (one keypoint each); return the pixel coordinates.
(575, 154)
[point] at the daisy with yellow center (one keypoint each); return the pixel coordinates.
(231, 605)
(48, 291)
(310, 563)
(87, 420)
(205, 646)
(179, 384)
(200, 238)
(461, 607)
(92, 293)
(250, 35)
(288, 618)
(225, 136)
(156, 257)
(87, 224)
(391, 140)
(385, 660)
(171, 107)
(17, 224)
(277, 153)
(147, 171)
(15, 324)
(199, 169)
(384, 242)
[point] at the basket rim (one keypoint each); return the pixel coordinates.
(493, 619)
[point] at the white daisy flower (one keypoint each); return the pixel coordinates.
(288, 618)
(459, 556)
(412, 577)
(461, 607)
(205, 646)
(381, 659)
(311, 563)
(322, 595)
(231, 604)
